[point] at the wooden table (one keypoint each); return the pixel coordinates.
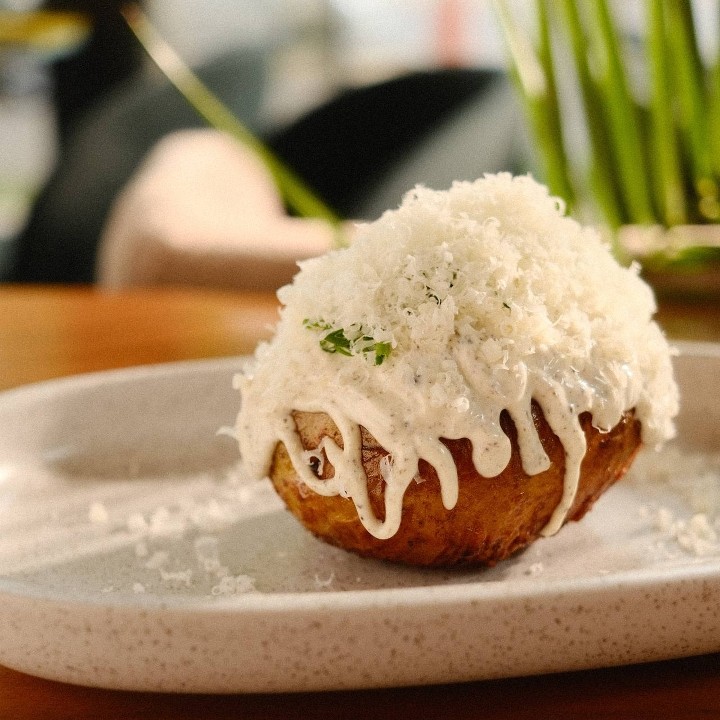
(49, 332)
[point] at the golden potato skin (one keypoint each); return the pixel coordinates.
(493, 518)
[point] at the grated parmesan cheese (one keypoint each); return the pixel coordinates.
(693, 478)
(234, 585)
(441, 314)
(98, 514)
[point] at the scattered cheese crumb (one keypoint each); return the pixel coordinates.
(234, 585)
(163, 523)
(535, 569)
(210, 515)
(693, 478)
(98, 514)
(695, 535)
(326, 583)
(177, 578)
(206, 552)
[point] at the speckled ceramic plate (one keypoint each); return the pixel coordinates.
(133, 555)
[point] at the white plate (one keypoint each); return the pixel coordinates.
(133, 556)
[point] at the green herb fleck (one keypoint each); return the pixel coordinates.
(337, 341)
(382, 350)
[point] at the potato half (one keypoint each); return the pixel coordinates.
(493, 518)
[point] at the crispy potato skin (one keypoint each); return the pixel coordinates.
(493, 518)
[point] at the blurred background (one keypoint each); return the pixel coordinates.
(272, 61)
(364, 98)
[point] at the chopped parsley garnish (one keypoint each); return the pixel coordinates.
(335, 340)
(382, 350)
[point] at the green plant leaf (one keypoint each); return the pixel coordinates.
(534, 75)
(622, 116)
(692, 103)
(664, 149)
(602, 171)
(298, 196)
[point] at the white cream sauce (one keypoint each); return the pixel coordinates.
(398, 415)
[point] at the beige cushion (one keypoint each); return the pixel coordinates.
(203, 210)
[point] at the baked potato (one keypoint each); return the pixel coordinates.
(493, 518)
